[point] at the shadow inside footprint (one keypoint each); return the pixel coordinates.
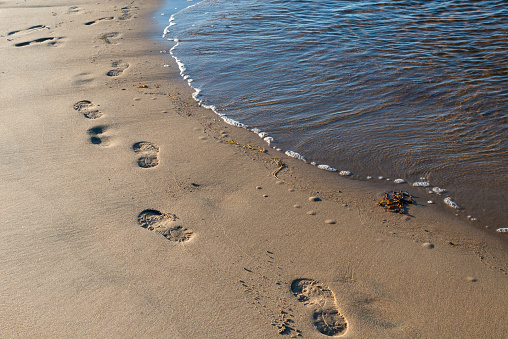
(97, 137)
(51, 41)
(165, 224)
(96, 21)
(326, 315)
(96, 130)
(28, 30)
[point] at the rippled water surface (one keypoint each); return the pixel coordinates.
(402, 89)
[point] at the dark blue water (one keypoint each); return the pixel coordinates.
(400, 89)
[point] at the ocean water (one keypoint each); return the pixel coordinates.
(413, 90)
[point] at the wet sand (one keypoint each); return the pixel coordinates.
(130, 211)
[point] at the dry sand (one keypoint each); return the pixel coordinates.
(126, 212)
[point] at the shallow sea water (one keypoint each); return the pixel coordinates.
(399, 89)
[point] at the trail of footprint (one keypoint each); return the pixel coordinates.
(28, 30)
(108, 36)
(120, 67)
(327, 317)
(165, 224)
(149, 152)
(52, 41)
(88, 109)
(96, 21)
(97, 136)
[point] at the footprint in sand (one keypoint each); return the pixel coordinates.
(149, 154)
(28, 30)
(73, 10)
(326, 315)
(89, 23)
(126, 13)
(109, 38)
(165, 224)
(88, 109)
(82, 79)
(50, 41)
(97, 136)
(119, 68)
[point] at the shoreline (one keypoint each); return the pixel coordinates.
(471, 197)
(129, 210)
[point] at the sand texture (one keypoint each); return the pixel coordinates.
(128, 211)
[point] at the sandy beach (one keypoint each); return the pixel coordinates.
(129, 211)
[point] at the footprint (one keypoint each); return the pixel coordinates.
(97, 136)
(119, 68)
(73, 9)
(82, 79)
(149, 152)
(107, 37)
(96, 21)
(28, 30)
(51, 41)
(88, 109)
(126, 15)
(165, 224)
(327, 317)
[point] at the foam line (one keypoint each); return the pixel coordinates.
(451, 203)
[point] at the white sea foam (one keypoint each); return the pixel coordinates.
(399, 181)
(295, 155)
(345, 173)
(502, 230)
(258, 132)
(268, 140)
(196, 93)
(327, 168)
(263, 135)
(421, 184)
(232, 121)
(438, 190)
(451, 203)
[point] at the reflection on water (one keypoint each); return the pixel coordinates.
(404, 89)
